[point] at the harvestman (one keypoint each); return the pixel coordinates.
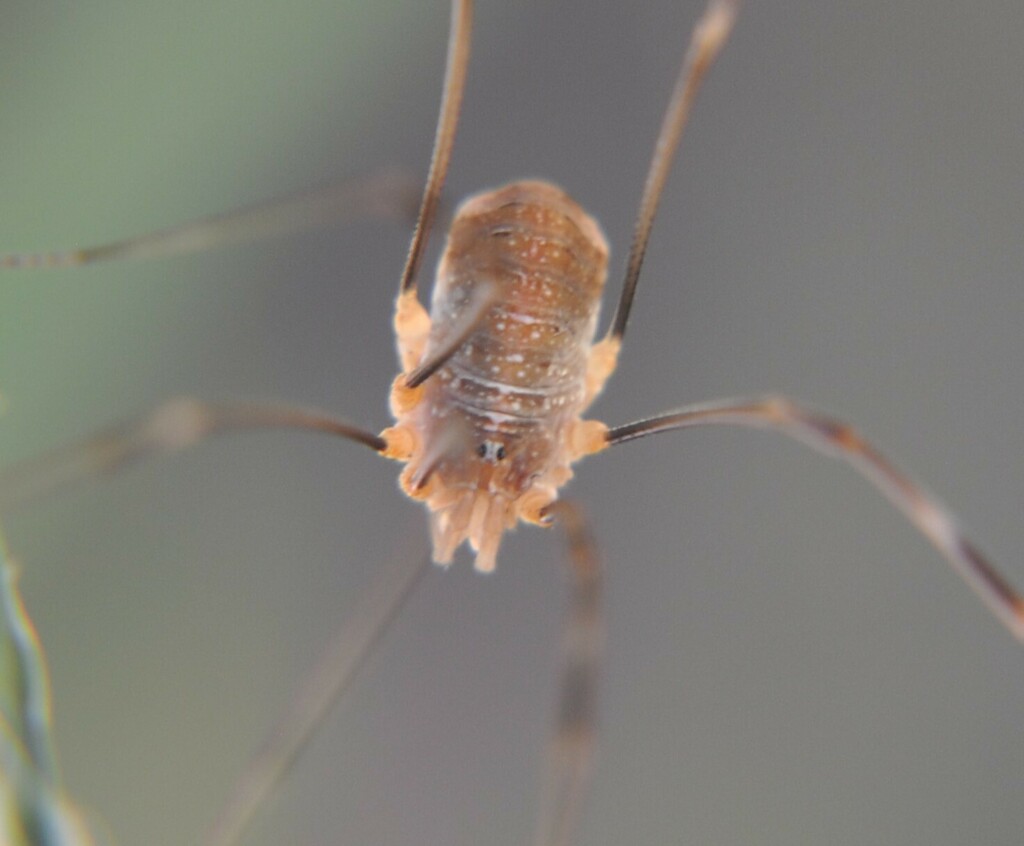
(488, 408)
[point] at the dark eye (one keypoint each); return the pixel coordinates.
(491, 451)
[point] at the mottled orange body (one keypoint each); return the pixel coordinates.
(491, 435)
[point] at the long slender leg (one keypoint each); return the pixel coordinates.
(174, 425)
(569, 757)
(388, 193)
(412, 324)
(707, 40)
(348, 650)
(456, 66)
(837, 439)
(484, 295)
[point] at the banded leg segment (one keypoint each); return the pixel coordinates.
(570, 753)
(837, 439)
(175, 425)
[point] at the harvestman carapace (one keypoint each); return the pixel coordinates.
(488, 406)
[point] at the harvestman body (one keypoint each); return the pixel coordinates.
(488, 407)
(490, 436)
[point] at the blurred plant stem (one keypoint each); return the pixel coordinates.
(33, 808)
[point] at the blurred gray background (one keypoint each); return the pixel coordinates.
(788, 662)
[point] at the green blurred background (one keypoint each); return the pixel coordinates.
(788, 662)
